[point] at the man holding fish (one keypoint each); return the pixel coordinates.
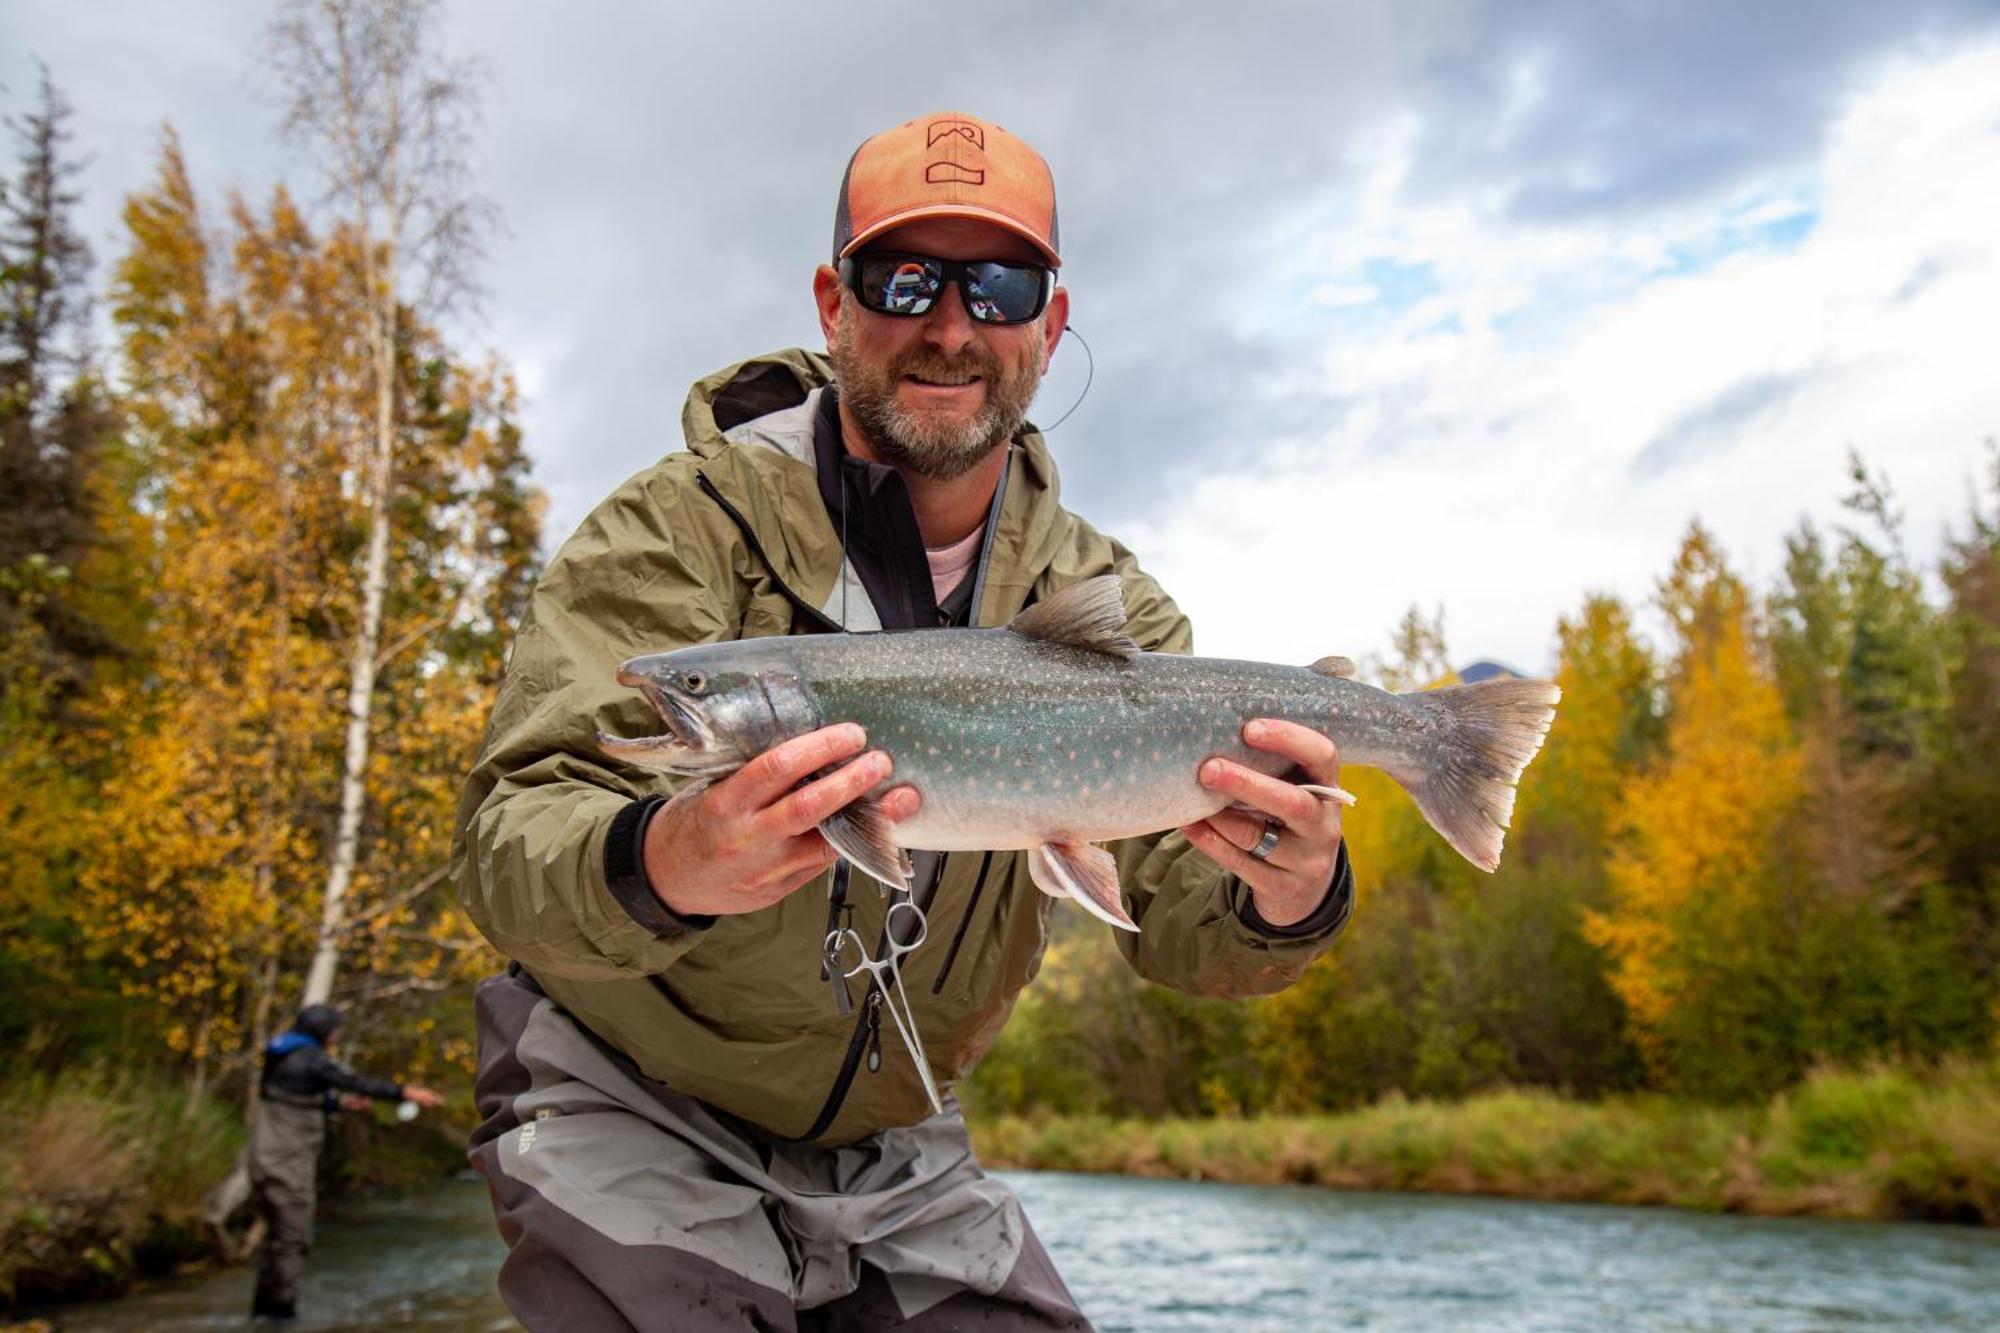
(696, 1112)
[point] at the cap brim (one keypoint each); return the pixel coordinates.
(969, 211)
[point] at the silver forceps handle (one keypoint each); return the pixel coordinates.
(891, 985)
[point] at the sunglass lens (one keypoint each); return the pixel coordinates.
(900, 286)
(1003, 293)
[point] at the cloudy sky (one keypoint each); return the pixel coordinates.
(1433, 302)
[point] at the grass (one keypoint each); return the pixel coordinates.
(101, 1177)
(1887, 1142)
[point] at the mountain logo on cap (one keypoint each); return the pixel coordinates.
(964, 129)
(944, 171)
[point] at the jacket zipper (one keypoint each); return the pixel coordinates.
(821, 623)
(816, 617)
(849, 1063)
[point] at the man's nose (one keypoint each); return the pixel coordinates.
(949, 326)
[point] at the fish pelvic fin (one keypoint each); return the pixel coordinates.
(1090, 614)
(862, 833)
(1489, 732)
(1085, 872)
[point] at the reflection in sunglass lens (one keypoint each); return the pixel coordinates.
(994, 292)
(900, 286)
(1003, 293)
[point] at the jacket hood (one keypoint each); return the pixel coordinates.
(1032, 523)
(718, 403)
(317, 1021)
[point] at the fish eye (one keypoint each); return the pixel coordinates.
(695, 682)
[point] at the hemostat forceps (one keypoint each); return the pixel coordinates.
(838, 942)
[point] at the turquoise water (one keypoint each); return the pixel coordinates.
(1171, 1255)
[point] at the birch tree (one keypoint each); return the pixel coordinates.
(386, 120)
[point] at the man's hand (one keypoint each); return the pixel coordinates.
(354, 1101)
(1293, 881)
(750, 840)
(422, 1096)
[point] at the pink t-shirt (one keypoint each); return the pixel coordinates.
(949, 563)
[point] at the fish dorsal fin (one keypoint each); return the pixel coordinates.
(1090, 614)
(1340, 668)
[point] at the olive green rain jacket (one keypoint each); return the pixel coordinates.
(732, 539)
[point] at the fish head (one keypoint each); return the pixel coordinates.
(723, 703)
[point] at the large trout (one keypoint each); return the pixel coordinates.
(1057, 733)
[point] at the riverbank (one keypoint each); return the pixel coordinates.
(103, 1175)
(101, 1179)
(1888, 1143)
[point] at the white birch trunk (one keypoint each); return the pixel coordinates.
(382, 118)
(371, 191)
(367, 644)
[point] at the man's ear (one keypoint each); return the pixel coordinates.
(827, 296)
(1054, 320)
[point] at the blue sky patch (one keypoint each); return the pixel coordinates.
(1752, 229)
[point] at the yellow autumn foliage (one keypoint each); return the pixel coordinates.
(1694, 839)
(249, 397)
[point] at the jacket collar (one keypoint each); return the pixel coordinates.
(783, 491)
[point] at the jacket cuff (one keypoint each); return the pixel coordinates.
(625, 873)
(1325, 920)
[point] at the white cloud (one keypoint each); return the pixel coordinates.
(1485, 458)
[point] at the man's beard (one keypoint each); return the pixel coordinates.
(933, 444)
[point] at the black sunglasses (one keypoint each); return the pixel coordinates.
(994, 292)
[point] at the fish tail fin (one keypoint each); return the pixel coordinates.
(1488, 732)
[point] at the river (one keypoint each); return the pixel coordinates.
(1146, 1255)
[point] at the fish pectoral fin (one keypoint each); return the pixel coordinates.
(1082, 871)
(1052, 887)
(1338, 795)
(1340, 668)
(862, 833)
(1090, 614)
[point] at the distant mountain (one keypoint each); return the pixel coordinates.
(1473, 674)
(1479, 671)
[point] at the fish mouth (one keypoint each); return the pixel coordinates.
(689, 745)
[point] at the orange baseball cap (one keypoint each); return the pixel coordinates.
(947, 165)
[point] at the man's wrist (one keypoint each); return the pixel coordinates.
(1284, 908)
(626, 876)
(1326, 918)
